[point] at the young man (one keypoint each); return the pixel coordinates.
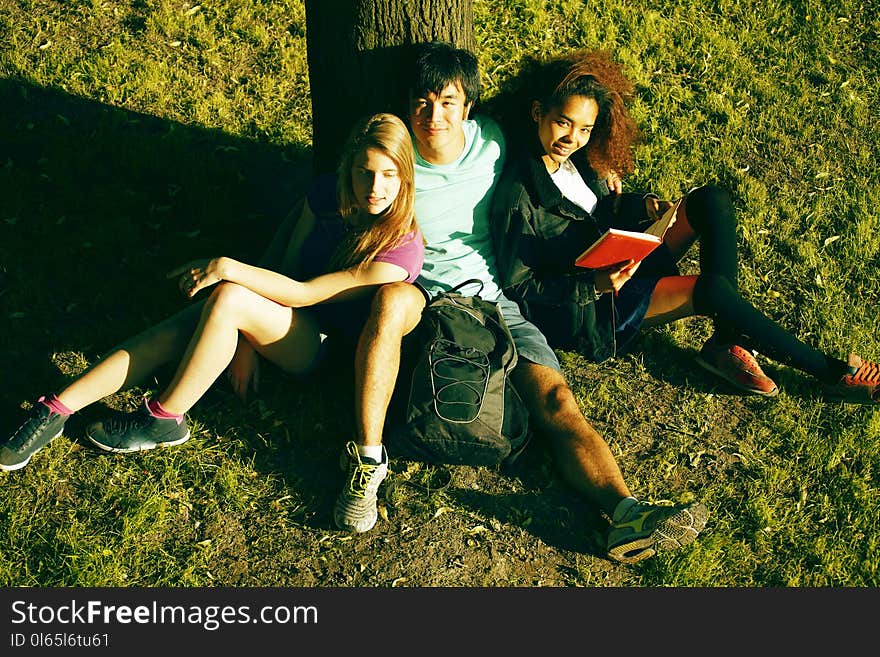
(458, 162)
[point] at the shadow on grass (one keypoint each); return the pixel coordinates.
(99, 203)
(548, 509)
(668, 361)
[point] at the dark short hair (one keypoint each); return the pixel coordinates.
(438, 64)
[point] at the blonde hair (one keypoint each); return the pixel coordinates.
(388, 134)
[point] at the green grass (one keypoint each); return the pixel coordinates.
(135, 136)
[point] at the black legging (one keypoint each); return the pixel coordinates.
(710, 213)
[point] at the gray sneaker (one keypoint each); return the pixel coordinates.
(137, 431)
(41, 427)
(355, 508)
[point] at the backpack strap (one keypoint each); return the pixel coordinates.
(470, 281)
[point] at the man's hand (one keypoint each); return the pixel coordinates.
(197, 275)
(612, 279)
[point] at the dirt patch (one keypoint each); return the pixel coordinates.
(519, 526)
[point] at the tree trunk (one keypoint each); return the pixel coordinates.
(357, 50)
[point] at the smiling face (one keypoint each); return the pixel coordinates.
(375, 181)
(436, 123)
(565, 129)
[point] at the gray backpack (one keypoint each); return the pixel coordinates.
(454, 402)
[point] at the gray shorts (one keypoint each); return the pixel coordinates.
(530, 342)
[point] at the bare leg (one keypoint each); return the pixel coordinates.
(395, 312)
(581, 454)
(132, 361)
(672, 299)
(287, 338)
(681, 235)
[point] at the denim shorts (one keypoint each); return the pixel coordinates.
(530, 342)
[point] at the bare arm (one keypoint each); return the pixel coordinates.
(199, 274)
(273, 257)
(282, 254)
(282, 289)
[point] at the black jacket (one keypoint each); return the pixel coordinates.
(537, 235)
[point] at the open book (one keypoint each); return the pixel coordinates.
(616, 245)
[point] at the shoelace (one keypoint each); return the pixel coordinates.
(126, 422)
(29, 434)
(869, 373)
(361, 472)
(747, 358)
(360, 478)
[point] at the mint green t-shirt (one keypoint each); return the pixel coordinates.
(452, 208)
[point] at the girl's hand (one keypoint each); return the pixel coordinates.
(615, 184)
(615, 277)
(244, 370)
(197, 275)
(655, 208)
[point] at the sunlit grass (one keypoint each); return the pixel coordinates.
(173, 130)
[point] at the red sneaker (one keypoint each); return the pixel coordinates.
(860, 385)
(737, 366)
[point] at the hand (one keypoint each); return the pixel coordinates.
(655, 208)
(615, 184)
(197, 275)
(244, 370)
(613, 278)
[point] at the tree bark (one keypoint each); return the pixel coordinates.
(357, 53)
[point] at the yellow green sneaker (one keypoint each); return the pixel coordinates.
(355, 509)
(645, 529)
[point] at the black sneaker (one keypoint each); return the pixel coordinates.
(40, 428)
(138, 431)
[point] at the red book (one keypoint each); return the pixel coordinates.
(616, 245)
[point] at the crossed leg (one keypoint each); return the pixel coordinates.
(288, 338)
(134, 360)
(203, 337)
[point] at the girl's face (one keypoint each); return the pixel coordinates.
(566, 128)
(375, 181)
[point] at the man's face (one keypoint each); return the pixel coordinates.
(435, 120)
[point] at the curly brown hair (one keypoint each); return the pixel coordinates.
(590, 73)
